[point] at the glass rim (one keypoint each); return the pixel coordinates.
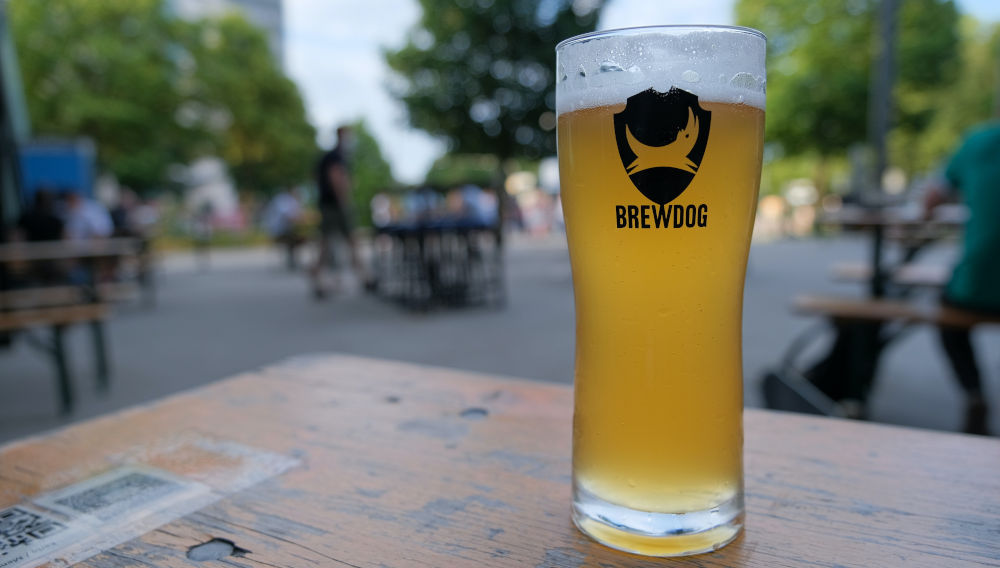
(664, 27)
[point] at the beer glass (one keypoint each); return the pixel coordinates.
(660, 134)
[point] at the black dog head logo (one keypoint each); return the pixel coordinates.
(661, 140)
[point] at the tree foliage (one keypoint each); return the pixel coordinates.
(479, 73)
(254, 115)
(153, 91)
(452, 170)
(820, 54)
(101, 69)
(968, 100)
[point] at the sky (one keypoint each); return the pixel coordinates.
(333, 51)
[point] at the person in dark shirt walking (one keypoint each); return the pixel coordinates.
(333, 180)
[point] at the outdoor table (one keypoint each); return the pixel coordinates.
(344, 461)
(912, 232)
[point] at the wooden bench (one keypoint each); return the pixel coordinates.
(907, 275)
(837, 384)
(58, 318)
(885, 310)
(24, 298)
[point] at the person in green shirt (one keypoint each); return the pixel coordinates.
(974, 174)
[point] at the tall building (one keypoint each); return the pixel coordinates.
(265, 14)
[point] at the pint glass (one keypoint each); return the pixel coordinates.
(660, 134)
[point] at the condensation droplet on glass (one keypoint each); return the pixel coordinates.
(607, 66)
(744, 81)
(739, 99)
(582, 71)
(631, 483)
(691, 76)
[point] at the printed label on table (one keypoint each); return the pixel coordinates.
(126, 492)
(76, 522)
(27, 536)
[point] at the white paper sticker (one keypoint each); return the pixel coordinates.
(28, 537)
(81, 520)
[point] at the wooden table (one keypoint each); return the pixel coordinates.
(343, 461)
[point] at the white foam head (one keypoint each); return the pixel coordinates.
(716, 63)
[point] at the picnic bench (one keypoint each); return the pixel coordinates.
(838, 383)
(28, 309)
(335, 460)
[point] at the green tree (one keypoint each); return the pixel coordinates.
(369, 170)
(480, 74)
(819, 68)
(153, 91)
(102, 69)
(254, 114)
(451, 170)
(969, 100)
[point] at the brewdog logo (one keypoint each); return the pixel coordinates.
(661, 140)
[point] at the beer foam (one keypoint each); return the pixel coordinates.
(720, 64)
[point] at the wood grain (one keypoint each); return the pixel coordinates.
(415, 466)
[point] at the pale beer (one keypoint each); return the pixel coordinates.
(659, 190)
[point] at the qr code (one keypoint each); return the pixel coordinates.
(20, 528)
(123, 491)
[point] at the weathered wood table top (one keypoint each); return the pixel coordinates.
(344, 461)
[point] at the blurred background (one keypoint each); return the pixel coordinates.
(176, 143)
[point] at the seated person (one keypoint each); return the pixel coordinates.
(974, 174)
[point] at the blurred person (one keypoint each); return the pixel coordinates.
(41, 222)
(85, 218)
(480, 206)
(422, 204)
(770, 223)
(558, 216)
(144, 217)
(381, 207)
(281, 221)
(121, 213)
(489, 207)
(973, 174)
(202, 229)
(454, 204)
(333, 180)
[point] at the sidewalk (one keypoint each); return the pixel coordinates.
(245, 311)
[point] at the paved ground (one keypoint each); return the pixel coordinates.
(245, 312)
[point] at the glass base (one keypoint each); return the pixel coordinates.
(657, 534)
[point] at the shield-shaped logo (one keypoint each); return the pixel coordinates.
(661, 140)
